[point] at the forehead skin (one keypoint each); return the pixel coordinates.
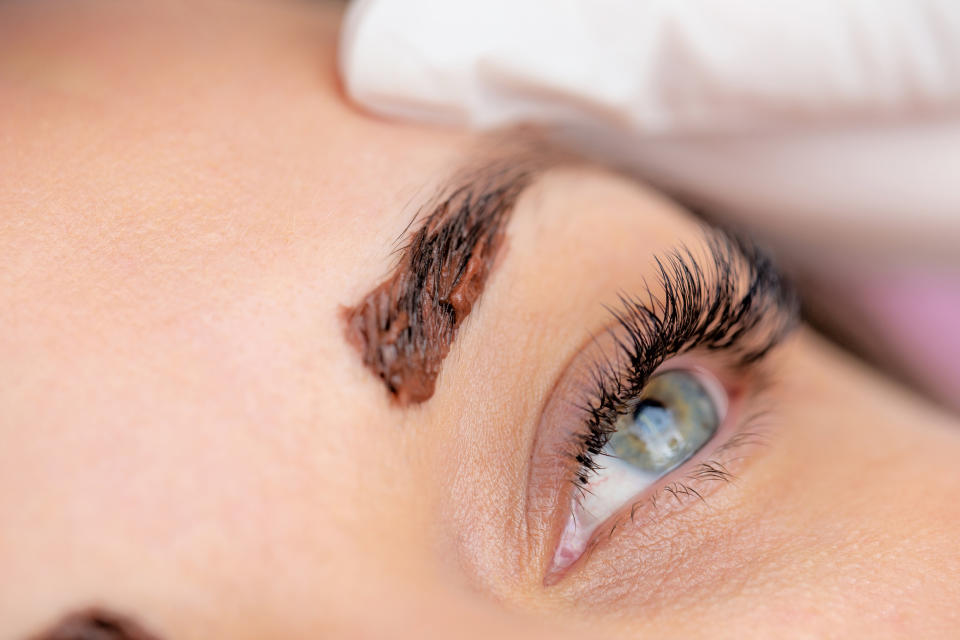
(186, 201)
(186, 206)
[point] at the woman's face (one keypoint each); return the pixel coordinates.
(197, 230)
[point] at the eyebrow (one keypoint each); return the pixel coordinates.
(405, 326)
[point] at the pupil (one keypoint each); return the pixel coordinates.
(647, 403)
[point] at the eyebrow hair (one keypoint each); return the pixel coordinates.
(405, 326)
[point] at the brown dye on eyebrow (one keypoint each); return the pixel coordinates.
(404, 327)
(96, 624)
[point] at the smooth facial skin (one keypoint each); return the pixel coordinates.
(188, 439)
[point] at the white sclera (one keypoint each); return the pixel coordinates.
(606, 494)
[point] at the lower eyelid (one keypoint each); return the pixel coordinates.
(699, 479)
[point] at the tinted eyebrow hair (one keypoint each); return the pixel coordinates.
(405, 326)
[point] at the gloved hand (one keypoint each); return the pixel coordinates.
(800, 116)
(655, 66)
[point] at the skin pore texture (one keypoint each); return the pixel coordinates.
(192, 447)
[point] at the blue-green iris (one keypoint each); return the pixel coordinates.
(673, 418)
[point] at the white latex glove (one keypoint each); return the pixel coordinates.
(812, 120)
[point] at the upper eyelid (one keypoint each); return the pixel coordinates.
(740, 303)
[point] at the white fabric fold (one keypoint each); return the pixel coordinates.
(655, 66)
(829, 119)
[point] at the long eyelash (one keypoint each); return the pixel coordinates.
(738, 303)
(711, 470)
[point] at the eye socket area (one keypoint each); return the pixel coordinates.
(674, 424)
(725, 311)
(679, 411)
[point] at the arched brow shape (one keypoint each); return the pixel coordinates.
(96, 624)
(405, 326)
